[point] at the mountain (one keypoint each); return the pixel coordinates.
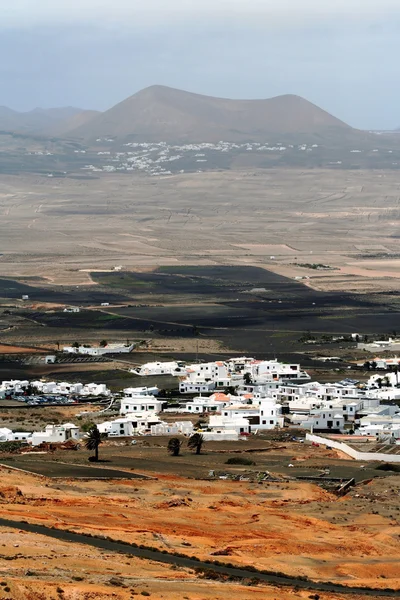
(36, 120)
(161, 113)
(64, 126)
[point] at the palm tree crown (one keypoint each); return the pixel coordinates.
(196, 442)
(93, 441)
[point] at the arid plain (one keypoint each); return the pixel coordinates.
(62, 228)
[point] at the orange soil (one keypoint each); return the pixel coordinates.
(272, 526)
(18, 350)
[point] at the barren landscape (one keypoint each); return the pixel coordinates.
(61, 229)
(141, 224)
(285, 526)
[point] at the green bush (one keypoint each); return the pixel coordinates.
(239, 460)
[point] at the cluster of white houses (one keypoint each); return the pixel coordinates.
(255, 396)
(21, 386)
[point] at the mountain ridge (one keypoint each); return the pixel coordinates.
(161, 113)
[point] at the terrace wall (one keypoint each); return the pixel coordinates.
(364, 456)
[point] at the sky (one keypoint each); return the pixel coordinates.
(340, 54)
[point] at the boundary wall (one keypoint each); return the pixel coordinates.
(364, 456)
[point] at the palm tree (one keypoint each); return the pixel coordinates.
(196, 442)
(93, 441)
(174, 446)
(247, 379)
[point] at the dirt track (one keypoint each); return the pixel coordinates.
(187, 562)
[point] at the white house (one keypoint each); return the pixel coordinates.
(203, 404)
(160, 368)
(270, 414)
(196, 387)
(129, 425)
(323, 420)
(7, 435)
(177, 428)
(137, 404)
(141, 391)
(278, 370)
(99, 350)
(56, 433)
(219, 423)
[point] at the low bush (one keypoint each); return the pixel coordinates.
(240, 460)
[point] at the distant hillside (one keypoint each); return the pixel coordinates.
(161, 113)
(63, 127)
(36, 120)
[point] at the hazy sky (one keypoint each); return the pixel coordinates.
(340, 54)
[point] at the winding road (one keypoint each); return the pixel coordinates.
(165, 557)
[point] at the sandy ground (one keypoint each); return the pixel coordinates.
(346, 219)
(31, 569)
(292, 527)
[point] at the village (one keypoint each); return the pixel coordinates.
(222, 401)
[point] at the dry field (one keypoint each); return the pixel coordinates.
(62, 229)
(288, 526)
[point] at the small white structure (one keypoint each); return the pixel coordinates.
(25, 297)
(173, 368)
(141, 391)
(203, 404)
(99, 350)
(72, 309)
(56, 434)
(219, 423)
(196, 387)
(323, 420)
(177, 428)
(130, 425)
(139, 404)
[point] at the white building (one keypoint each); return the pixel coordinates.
(141, 391)
(138, 404)
(178, 428)
(220, 423)
(99, 350)
(7, 435)
(322, 420)
(270, 414)
(278, 370)
(196, 387)
(130, 425)
(161, 368)
(203, 404)
(56, 434)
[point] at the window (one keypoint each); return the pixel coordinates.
(264, 422)
(337, 423)
(271, 422)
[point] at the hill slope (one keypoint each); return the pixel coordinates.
(36, 120)
(161, 113)
(63, 127)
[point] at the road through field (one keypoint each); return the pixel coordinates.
(187, 562)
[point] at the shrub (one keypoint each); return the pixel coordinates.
(239, 460)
